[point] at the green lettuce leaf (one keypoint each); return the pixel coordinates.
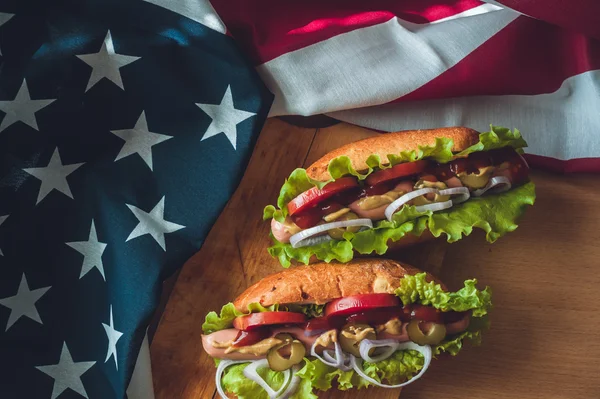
(497, 137)
(441, 151)
(216, 322)
(235, 382)
(327, 251)
(416, 289)
(399, 367)
(495, 214)
(311, 311)
(454, 344)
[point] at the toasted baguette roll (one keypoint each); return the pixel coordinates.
(391, 143)
(323, 282)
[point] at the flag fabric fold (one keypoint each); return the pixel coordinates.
(422, 64)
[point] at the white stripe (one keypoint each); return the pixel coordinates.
(140, 386)
(200, 11)
(482, 9)
(374, 65)
(563, 124)
(493, 2)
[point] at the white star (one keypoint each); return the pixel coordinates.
(113, 336)
(2, 219)
(67, 373)
(22, 108)
(53, 176)
(225, 117)
(106, 63)
(153, 223)
(4, 18)
(23, 304)
(92, 250)
(139, 140)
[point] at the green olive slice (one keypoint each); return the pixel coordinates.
(476, 180)
(278, 362)
(433, 337)
(430, 184)
(351, 336)
(286, 338)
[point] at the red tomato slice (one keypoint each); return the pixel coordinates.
(247, 338)
(380, 315)
(425, 313)
(310, 217)
(451, 317)
(256, 320)
(379, 189)
(404, 313)
(396, 172)
(313, 196)
(318, 325)
(518, 169)
(358, 303)
(430, 178)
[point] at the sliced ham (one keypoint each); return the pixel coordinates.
(379, 213)
(280, 231)
(223, 336)
(405, 186)
(399, 337)
(453, 182)
(230, 334)
(459, 325)
(373, 214)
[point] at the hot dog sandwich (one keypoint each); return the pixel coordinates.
(370, 322)
(398, 188)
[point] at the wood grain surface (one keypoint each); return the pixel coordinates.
(545, 335)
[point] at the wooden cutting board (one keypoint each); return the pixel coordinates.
(544, 341)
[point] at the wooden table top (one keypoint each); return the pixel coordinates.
(544, 340)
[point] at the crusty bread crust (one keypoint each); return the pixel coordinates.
(323, 282)
(391, 143)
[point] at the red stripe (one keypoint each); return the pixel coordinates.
(577, 165)
(266, 29)
(526, 57)
(579, 16)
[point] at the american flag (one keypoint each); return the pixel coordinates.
(127, 124)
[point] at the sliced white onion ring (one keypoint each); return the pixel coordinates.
(223, 364)
(424, 350)
(342, 359)
(498, 184)
(293, 386)
(367, 344)
(434, 206)
(299, 239)
(328, 360)
(462, 192)
(307, 242)
(251, 372)
(337, 358)
(397, 204)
